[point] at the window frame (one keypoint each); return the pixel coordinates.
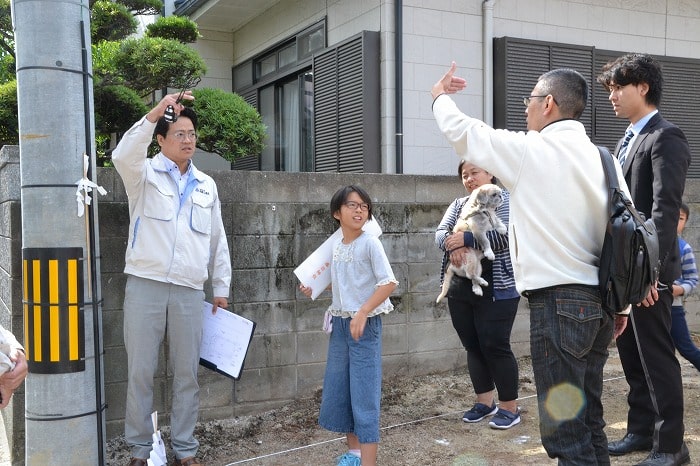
(249, 81)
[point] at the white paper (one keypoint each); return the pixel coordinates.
(225, 340)
(157, 456)
(315, 271)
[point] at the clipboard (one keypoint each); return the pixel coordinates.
(226, 339)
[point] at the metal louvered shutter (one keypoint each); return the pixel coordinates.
(326, 111)
(680, 103)
(249, 162)
(579, 59)
(350, 106)
(607, 128)
(346, 106)
(519, 63)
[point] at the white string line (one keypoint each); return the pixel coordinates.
(416, 421)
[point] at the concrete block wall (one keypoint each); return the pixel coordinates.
(10, 285)
(274, 221)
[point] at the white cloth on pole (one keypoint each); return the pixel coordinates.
(85, 187)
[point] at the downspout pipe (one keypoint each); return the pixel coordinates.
(487, 50)
(398, 83)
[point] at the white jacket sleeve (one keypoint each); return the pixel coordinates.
(497, 151)
(130, 155)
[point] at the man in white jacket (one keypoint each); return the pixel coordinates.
(176, 242)
(557, 224)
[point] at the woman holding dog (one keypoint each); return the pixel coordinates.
(484, 323)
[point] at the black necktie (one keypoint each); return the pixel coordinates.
(622, 154)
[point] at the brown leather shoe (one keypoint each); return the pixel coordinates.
(138, 462)
(190, 461)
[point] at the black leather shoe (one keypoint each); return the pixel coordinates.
(667, 459)
(629, 443)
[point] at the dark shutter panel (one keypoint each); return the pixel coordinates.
(607, 128)
(350, 107)
(680, 103)
(251, 98)
(346, 106)
(325, 68)
(519, 63)
(579, 59)
(249, 162)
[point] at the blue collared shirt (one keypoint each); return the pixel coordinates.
(184, 188)
(639, 126)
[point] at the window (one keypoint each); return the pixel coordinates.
(275, 61)
(280, 83)
(265, 66)
(300, 87)
(314, 39)
(287, 55)
(287, 111)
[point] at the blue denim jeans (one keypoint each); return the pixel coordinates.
(352, 386)
(569, 338)
(681, 336)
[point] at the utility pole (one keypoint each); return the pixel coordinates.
(64, 391)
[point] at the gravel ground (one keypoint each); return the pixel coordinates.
(421, 419)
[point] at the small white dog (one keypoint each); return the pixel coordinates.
(478, 215)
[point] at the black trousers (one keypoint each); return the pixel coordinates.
(484, 328)
(653, 373)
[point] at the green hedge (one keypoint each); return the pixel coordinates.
(228, 125)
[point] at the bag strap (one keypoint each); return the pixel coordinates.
(614, 186)
(608, 167)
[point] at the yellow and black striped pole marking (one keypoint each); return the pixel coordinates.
(54, 323)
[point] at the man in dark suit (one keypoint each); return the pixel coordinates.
(655, 156)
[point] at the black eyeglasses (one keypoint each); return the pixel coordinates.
(354, 205)
(528, 98)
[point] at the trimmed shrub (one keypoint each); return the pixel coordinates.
(228, 125)
(110, 21)
(151, 63)
(9, 124)
(176, 28)
(116, 108)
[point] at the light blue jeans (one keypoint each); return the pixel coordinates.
(148, 306)
(352, 386)
(569, 338)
